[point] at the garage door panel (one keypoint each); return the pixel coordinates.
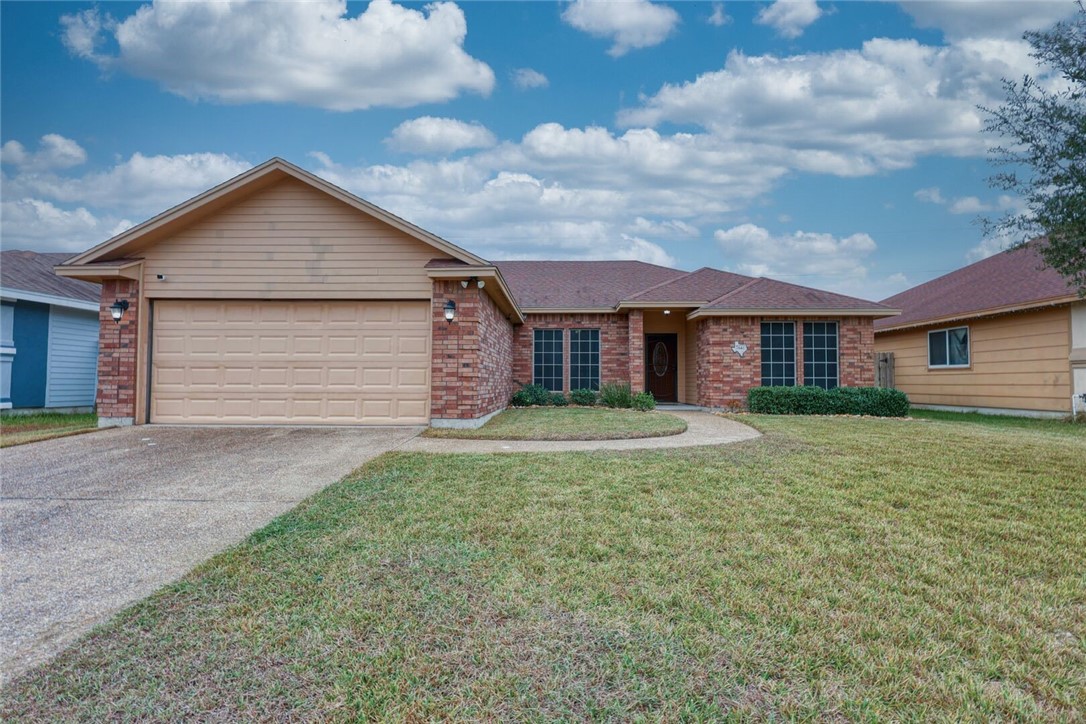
(290, 362)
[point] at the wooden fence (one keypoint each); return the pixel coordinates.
(884, 369)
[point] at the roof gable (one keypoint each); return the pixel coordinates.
(221, 196)
(1012, 278)
(763, 294)
(580, 284)
(699, 286)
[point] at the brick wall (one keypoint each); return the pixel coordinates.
(472, 357)
(724, 378)
(117, 346)
(614, 344)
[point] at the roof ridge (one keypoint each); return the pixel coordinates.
(664, 283)
(741, 287)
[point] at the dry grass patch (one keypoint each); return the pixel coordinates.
(19, 429)
(834, 568)
(568, 423)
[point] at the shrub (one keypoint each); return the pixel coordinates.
(530, 395)
(644, 401)
(558, 399)
(874, 401)
(583, 397)
(616, 394)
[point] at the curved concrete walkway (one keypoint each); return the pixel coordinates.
(702, 428)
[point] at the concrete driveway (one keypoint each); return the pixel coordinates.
(93, 522)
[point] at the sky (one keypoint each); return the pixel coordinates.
(837, 145)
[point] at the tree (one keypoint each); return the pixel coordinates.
(1044, 128)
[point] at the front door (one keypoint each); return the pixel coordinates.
(662, 366)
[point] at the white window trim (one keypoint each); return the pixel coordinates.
(968, 348)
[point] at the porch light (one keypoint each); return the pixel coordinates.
(117, 309)
(450, 310)
(478, 282)
(667, 312)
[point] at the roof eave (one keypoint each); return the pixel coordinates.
(652, 305)
(792, 312)
(487, 272)
(977, 314)
(129, 269)
(55, 300)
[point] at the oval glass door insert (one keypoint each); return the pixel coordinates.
(659, 359)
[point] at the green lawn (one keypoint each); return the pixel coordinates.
(836, 568)
(19, 429)
(569, 423)
(1005, 422)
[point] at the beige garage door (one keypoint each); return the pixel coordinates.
(254, 362)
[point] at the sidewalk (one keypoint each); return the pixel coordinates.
(703, 428)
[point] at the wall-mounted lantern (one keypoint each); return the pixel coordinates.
(117, 309)
(450, 311)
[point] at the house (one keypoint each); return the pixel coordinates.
(1004, 335)
(48, 335)
(277, 297)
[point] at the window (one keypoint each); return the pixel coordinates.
(820, 354)
(547, 359)
(584, 359)
(778, 354)
(949, 347)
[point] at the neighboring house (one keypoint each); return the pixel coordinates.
(277, 297)
(1005, 335)
(48, 335)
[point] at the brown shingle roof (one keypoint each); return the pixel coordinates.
(701, 286)
(30, 271)
(580, 284)
(762, 293)
(1016, 277)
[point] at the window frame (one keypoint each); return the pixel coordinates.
(761, 341)
(574, 353)
(544, 380)
(836, 362)
(945, 331)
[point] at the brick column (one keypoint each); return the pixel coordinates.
(471, 368)
(856, 340)
(117, 346)
(723, 376)
(637, 351)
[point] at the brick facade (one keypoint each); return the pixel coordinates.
(637, 351)
(724, 378)
(117, 349)
(472, 357)
(614, 344)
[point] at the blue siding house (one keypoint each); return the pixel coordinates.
(48, 335)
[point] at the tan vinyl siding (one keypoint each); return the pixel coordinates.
(289, 241)
(1017, 361)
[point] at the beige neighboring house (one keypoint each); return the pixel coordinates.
(1003, 336)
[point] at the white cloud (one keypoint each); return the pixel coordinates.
(847, 112)
(718, 17)
(309, 53)
(931, 195)
(439, 135)
(41, 226)
(789, 17)
(55, 151)
(526, 78)
(631, 24)
(988, 18)
(968, 205)
(807, 258)
(47, 209)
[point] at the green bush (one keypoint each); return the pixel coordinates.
(583, 397)
(873, 401)
(530, 395)
(644, 401)
(616, 394)
(558, 399)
